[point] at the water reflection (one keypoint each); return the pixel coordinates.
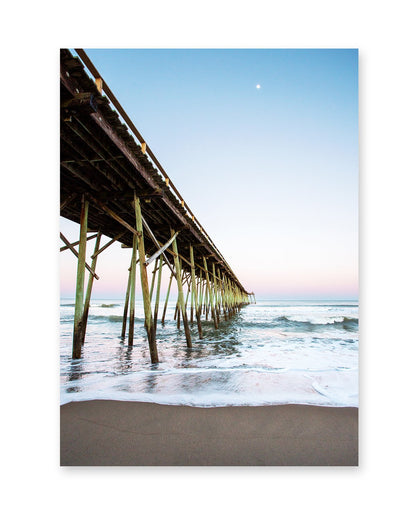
(125, 358)
(75, 373)
(206, 381)
(189, 353)
(152, 379)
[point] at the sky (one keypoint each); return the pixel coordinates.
(263, 145)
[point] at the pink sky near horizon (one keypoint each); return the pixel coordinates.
(283, 282)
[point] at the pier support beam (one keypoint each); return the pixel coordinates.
(132, 291)
(209, 289)
(214, 278)
(201, 292)
(148, 320)
(159, 280)
(152, 286)
(221, 285)
(89, 288)
(79, 293)
(187, 292)
(194, 292)
(181, 300)
(206, 306)
(126, 306)
(167, 299)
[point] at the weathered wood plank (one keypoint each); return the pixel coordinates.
(77, 255)
(64, 248)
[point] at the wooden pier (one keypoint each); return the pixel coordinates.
(111, 184)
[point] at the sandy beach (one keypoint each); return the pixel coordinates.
(122, 433)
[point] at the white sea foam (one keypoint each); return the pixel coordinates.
(271, 353)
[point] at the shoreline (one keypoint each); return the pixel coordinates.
(129, 433)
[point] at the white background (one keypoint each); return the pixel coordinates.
(35, 486)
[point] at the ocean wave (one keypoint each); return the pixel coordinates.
(112, 318)
(343, 322)
(118, 318)
(283, 322)
(102, 305)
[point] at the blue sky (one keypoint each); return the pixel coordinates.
(270, 172)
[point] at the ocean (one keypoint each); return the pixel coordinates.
(272, 352)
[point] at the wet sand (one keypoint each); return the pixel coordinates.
(121, 433)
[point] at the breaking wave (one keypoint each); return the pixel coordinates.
(350, 324)
(343, 323)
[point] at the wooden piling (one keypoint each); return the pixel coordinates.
(198, 282)
(232, 298)
(211, 302)
(79, 292)
(214, 279)
(192, 306)
(178, 315)
(227, 298)
(187, 294)
(126, 306)
(221, 284)
(206, 306)
(152, 285)
(194, 292)
(159, 279)
(201, 292)
(181, 300)
(230, 292)
(167, 299)
(145, 284)
(132, 291)
(89, 288)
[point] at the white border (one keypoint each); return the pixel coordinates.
(35, 485)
